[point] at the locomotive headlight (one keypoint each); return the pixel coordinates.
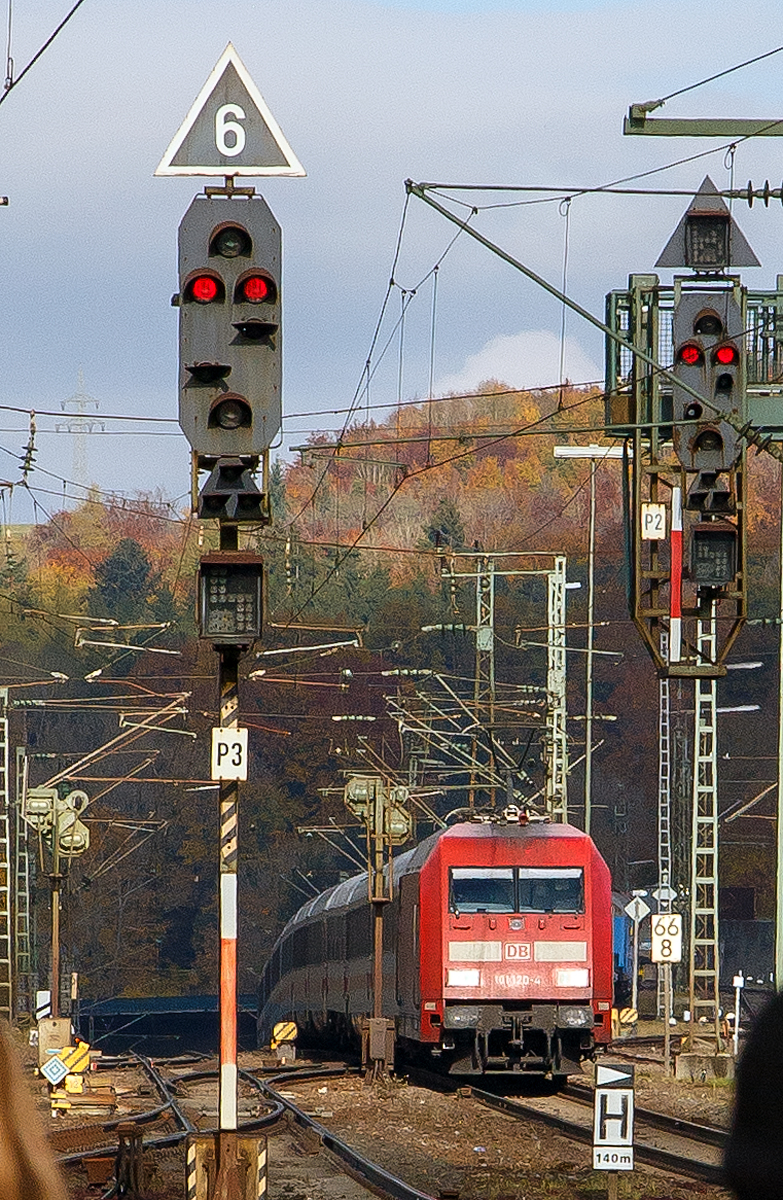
(461, 1016)
(577, 977)
(575, 1018)
(469, 978)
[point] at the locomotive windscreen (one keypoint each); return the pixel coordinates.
(482, 889)
(517, 890)
(551, 889)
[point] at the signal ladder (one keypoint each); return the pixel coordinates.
(22, 955)
(664, 811)
(704, 847)
(6, 975)
(556, 741)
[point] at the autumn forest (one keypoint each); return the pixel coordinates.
(103, 593)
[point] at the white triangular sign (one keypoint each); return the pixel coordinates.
(229, 130)
(606, 1076)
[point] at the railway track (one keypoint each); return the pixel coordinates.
(643, 1049)
(165, 1124)
(669, 1143)
(375, 1177)
(188, 1101)
(188, 1104)
(673, 1144)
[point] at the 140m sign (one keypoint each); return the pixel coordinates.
(667, 938)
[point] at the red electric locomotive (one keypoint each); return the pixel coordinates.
(497, 952)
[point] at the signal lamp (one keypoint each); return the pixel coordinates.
(255, 288)
(255, 330)
(691, 354)
(230, 412)
(230, 241)
(709, 441)
(203, 289)
(692, 411)
(726, 355)
(708, 324)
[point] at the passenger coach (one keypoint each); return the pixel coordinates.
(497, 952)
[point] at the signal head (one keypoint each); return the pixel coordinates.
(691, 354)
(229, 330)
(204, 288)
(230, 241)
(230, 412)
(256, 288)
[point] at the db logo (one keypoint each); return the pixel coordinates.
(519, 951)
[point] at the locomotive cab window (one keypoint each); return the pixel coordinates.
(551, 889)
(482, 889)
(516, 890)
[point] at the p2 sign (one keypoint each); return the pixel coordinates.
(653, 522)
(229, 754)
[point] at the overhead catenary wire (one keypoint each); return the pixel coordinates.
(746, 430)
(9, 62)
(411, 474)
(400, 234)
(10, 82)
(373, 340)
(293, 416)
(718, 75)
(368, 371)
(609, 188)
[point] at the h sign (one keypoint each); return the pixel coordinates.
(613, 1117)
(229, 754)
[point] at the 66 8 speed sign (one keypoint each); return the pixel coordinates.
(667, 938)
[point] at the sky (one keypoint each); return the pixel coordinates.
(368, 94)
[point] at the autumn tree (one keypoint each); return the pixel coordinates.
(128, 590)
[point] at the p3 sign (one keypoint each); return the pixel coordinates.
(229, 754)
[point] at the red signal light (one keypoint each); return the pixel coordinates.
(255, 289)
(204, 289)
(691, 354)
(726, 355)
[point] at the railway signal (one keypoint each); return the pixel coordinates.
(709, 358)
(230, 410)
(230, 348)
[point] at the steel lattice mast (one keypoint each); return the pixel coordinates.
(704, 959)
(556, 740)
(664, 810)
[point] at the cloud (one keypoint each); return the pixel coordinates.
(368, 93)
(528, 359)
